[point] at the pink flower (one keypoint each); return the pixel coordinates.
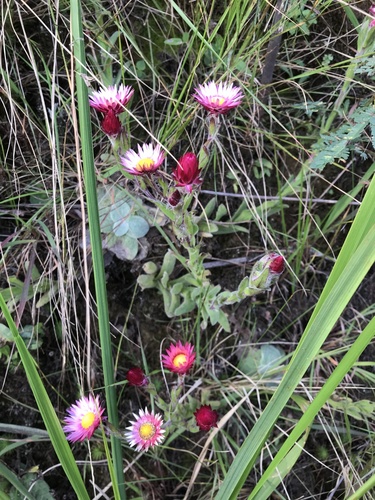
(179, 358)
(187, 172)
(111, 124)
(146, 431)
(135, 376)
(206, 417)
(83, 418)
(218, 98)
(147, 161)
(111, 99)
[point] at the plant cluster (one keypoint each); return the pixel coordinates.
(176, 196)
(148, 430)
(173, 195)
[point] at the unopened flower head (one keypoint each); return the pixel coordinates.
(218, 98)
(179, 358)
(146, 161)
(267, 270)
(187, 173)
(145, 431)
(111, 124)
(111, 98)
(83, 418)
(135, 376)
(206, 417)
(276, 263)
(174, 198)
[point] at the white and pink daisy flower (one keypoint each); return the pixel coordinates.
(84, 417)
(146, 161)
(218, 98)
(111, 98)
(179, 358)
(146, 431)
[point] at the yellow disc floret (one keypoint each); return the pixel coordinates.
(145, 164)
(147, 430)
(88, 420)
(217, 100)
(179, 360)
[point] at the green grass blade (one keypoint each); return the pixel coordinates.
(308, 416)
(369, 485)
(316, 332)
(361, 225)
(354, 261)
(96, 240)
(13, 480)
(286, 464)
(52, 423)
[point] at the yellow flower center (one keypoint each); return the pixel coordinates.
(145, 164)
(88, 420)
(217, 100)
(147, 430)
(179, 360)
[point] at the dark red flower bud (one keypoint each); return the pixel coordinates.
(111, 124)
(136, 376)
(187, 172)
(267, 271)
(277, 264)
(206, 417)
(174, 198)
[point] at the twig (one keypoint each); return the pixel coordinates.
(276, 198)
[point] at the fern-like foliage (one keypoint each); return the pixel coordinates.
(337, 145)
(366, 67)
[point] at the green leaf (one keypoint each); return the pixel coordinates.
(40, 489)
(360, 410)
(336, 145)
(208, 209)
(184, 308)
(120, 211)
(221, 212)
(248, 364)
(173, 41)
(138, 226)
(115, 462)
(146, 281)
(125, 248)
(169, 262)
(270, 358)
(119, 216)
(261, 360)
(121, 228)
(16, 482)
(5, 334)
(207, 227)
